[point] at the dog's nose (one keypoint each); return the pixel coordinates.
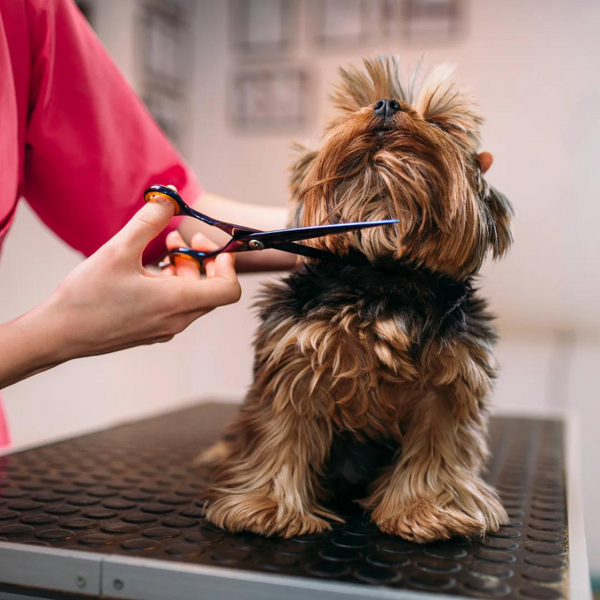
(386, 107)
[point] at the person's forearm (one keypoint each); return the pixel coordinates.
(249, 215)
(28, 345)
(109, 302)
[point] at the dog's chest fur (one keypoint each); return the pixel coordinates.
(357, 340)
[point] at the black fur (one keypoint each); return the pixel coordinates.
(352, 464)
(431, 305)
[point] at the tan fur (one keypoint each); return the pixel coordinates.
(339, 371)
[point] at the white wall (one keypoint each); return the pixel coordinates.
(529, 64)
(533, 66)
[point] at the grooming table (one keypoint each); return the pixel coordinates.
(116, 514)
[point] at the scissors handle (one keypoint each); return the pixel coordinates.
(169, 192)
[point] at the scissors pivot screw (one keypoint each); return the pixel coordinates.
(256, 245)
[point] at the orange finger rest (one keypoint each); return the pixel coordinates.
(154, 196)
(186, 257)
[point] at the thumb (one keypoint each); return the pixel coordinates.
(145, 225)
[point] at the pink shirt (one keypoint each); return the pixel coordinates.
(75, 140)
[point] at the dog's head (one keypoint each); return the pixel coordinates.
(406, 152)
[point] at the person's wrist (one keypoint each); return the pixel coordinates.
(47, 333)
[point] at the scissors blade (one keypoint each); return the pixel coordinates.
(292, 248)
(275, 238)
(229, 228)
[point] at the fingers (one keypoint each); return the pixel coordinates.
(203, 244)
(209, 267)
(221, 286)
(210, 293)
(188, 268)
(184, 267)
(167, 271)
(219, 289)
(485, 160)
(145, 225)
(224, 266)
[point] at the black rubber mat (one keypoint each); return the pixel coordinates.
(133, 490)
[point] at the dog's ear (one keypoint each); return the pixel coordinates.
(501, 213)
(440, 102)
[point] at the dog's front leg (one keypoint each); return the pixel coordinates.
(267, 484)
(435, 490)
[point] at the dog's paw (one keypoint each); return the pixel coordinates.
(423, 520)
(263, 515)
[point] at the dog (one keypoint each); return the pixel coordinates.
(389, 363)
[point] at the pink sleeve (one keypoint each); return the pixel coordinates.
(91, 146)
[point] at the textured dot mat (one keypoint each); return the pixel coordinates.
(133, 490)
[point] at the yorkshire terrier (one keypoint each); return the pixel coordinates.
(395, 355)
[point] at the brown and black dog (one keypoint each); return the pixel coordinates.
(397, 353)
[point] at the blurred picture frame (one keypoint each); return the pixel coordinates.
(262, 26)
(345, 23)
(165, 51)
(163, 27)
(270, 98)
(429, 20)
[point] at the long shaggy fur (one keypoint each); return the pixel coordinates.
(380, 374)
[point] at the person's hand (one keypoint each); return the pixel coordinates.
(111, 302)
(485, 160)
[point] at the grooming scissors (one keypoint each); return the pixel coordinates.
(245, 239)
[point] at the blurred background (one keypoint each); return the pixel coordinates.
(233, 83)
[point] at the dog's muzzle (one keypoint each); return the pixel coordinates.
(386, 108)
